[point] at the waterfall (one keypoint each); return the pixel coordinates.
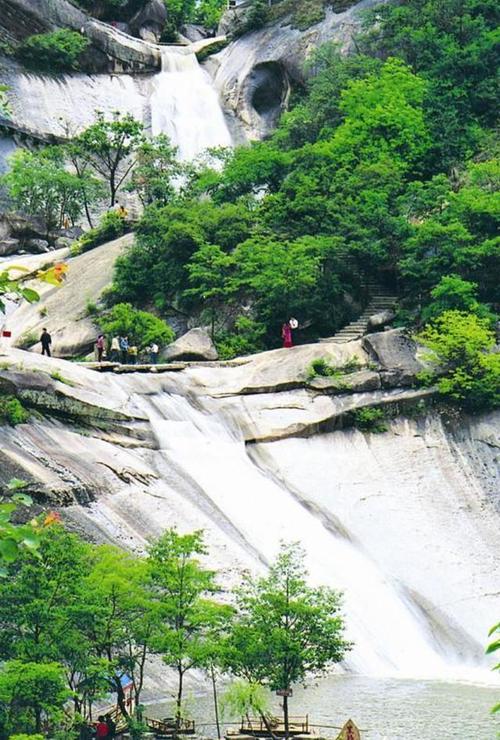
(185, 106)
(392, 635)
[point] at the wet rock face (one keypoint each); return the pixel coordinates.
(267, 92)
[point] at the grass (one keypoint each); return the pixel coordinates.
(56, 375)
(27, 340)
(12, 411)
(321, 368)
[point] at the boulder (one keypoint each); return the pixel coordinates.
(394, 351)
(36, 246)
(194, 345)
(194, 32)
(9, 246)
(378, 320)
(148, 23)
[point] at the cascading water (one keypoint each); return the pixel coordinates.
(392, 638)
(185, 106)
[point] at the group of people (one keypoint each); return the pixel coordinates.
(121, 350)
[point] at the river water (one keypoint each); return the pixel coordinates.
(384, 709)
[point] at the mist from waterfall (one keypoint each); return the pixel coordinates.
(185, 105)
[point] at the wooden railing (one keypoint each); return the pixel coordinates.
(257, 726)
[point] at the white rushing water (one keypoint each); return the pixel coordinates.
(185, 105)
(392, 634)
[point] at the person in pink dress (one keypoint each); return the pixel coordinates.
(286, 334)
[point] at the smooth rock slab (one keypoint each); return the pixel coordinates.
(194, 345)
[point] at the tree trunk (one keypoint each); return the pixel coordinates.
(216, 705)
(178, 713)
(38, 720)
(285, 716)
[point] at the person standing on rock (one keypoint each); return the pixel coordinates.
(115, 349)
(153, 353)
(286, 334)
(46, 341)
(100, 347)
(124, 350)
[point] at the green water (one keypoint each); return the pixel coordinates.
(386, 709)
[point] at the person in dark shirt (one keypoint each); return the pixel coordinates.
(46, 341)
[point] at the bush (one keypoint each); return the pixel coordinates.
(246, 339)
(322, 368)
(141, 328)
(468, 371)
(57, 51)
(369, 419)
(12, 411)
(112, 225)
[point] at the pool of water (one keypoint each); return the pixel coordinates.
(386, 709)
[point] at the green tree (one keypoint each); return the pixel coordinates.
(451, 43)
(109, 146)
(141, 327)
(285, 629)
(190, 618)
(155, 171)
(210, 274)
(55, 51)
(453, 293)
(468, 369)
(32, 695)
(40, 185)
(123, 618)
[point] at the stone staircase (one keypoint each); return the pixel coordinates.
(380, 301)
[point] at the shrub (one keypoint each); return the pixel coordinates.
(112, 225)
(12, 411)
(27, 340)
(244, 340)
(141, 328)
(468, 371)
(369, 419)
(56, 51)
(322, 368)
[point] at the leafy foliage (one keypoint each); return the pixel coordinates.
(141, 327)
(55, 51)
(285, 629)
(40, 185)
(12, 411)
(111, 226)
(462, 345)
(494, 647)
(368, 419)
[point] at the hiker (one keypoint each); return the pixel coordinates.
(124, 350)
(46, 341)
(153, 353)
(102, 728)
(114, 350)
(100, 347)
(111, 725)
(133, 353)
(286, 334)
